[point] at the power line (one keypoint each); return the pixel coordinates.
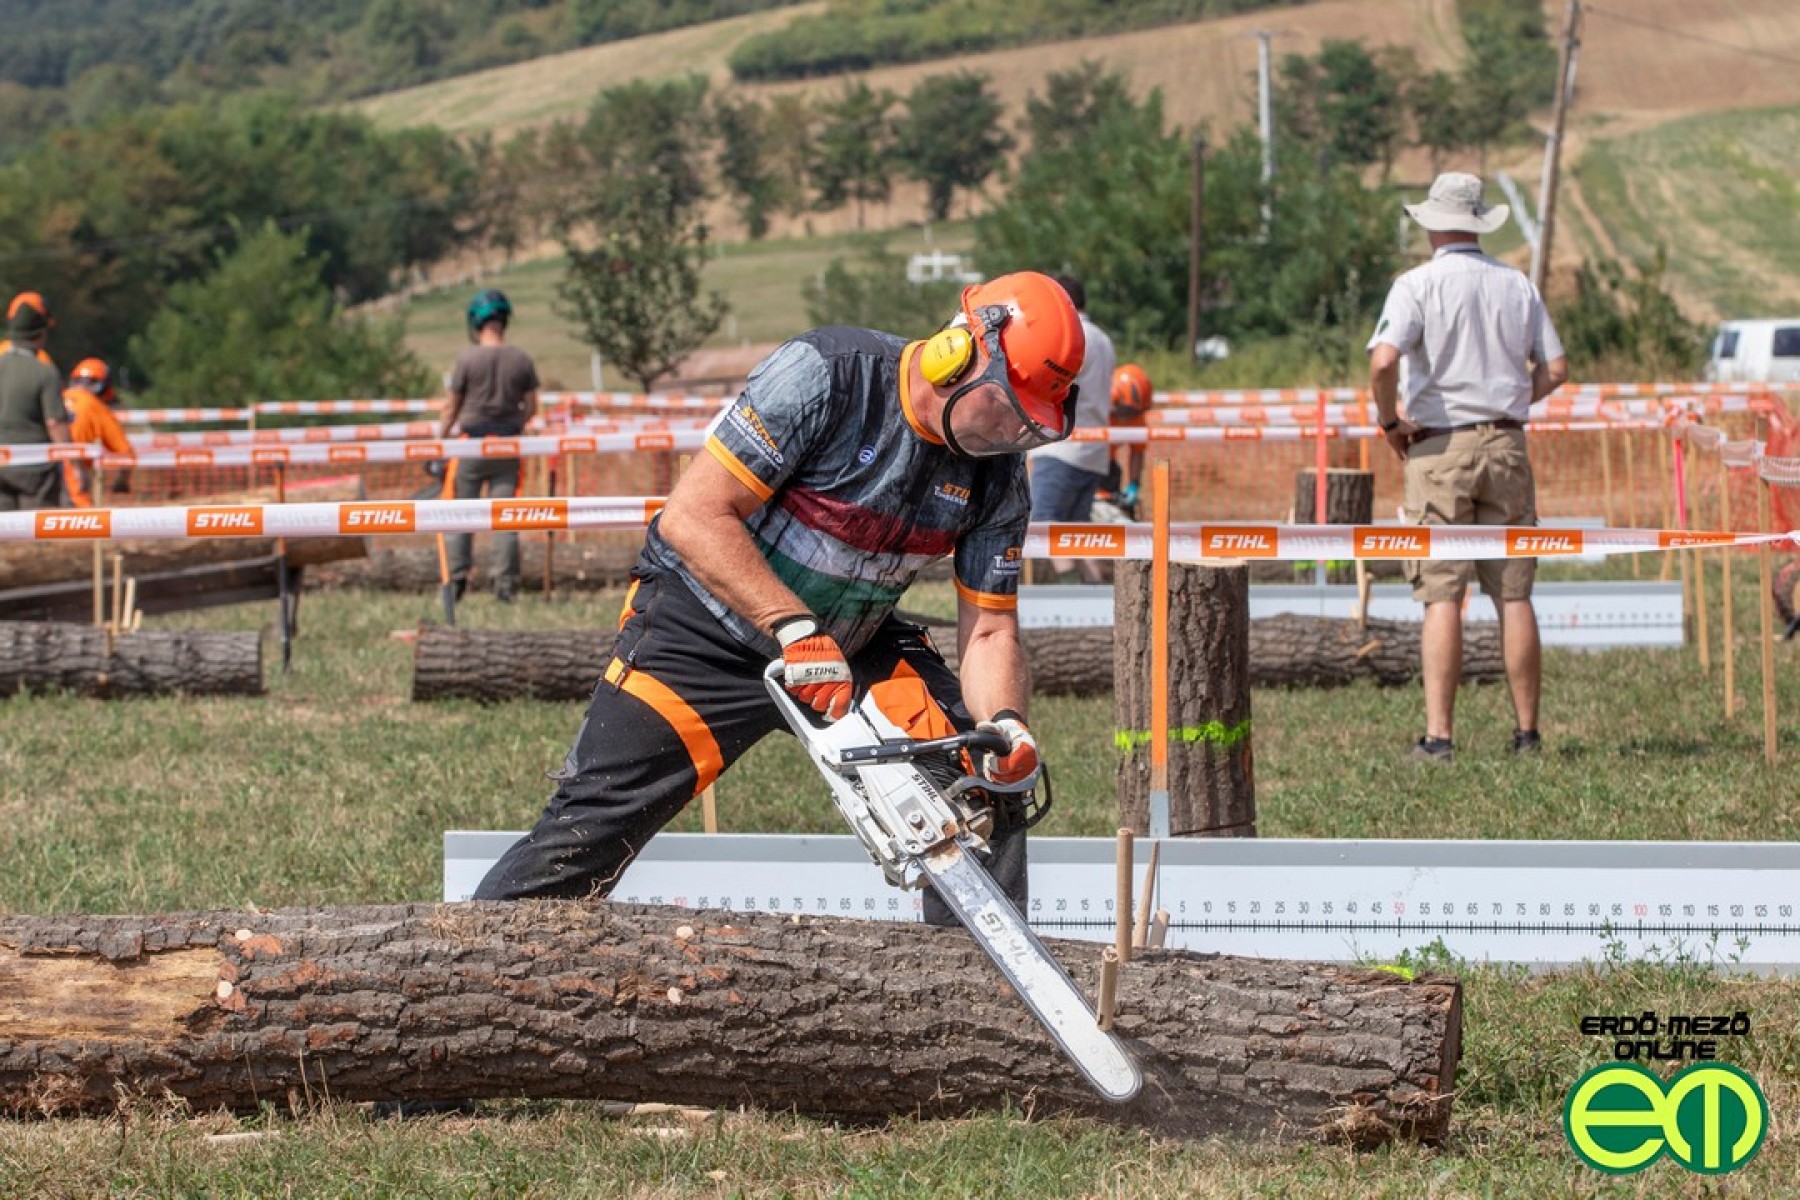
(1689, 36)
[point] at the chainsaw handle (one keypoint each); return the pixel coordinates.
(894, 751)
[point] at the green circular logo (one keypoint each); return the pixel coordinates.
(1710, 1118)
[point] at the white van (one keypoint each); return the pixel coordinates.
(1766, 350)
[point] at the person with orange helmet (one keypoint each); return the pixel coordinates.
(851, 461)
(28, 303)
(90, 399)
(1130, 407)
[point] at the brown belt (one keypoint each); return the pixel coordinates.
(1420, 435)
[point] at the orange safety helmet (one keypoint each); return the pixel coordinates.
(1040, 337)
(1130, 391)
(91, 371)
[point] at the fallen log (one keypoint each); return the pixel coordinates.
(89, 661)
(834, 1018)
(498, 665)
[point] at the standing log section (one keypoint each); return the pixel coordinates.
(834, 1018)
(1349, 500)
(39, 657)
(1212, 790)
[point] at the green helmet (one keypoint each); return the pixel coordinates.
(489, 304)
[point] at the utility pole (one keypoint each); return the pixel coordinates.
(1565, 92)
(1265, 122)
(1196, 242)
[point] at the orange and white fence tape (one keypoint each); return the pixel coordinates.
(352, 453)
(1188, 541)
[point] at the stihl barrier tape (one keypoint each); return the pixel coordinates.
(1297, 398)
(334, 450)
(1188, 541)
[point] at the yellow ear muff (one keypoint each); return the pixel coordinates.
(946, 355)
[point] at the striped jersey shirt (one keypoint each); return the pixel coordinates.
(858, 497)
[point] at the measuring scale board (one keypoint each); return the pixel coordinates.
(1735, 905)
(1600, 615)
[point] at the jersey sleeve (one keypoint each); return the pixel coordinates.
(1401, 321)
(783, 414)
(990, 555)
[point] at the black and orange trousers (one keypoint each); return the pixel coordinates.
(682, 700)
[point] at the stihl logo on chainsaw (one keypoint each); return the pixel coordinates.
(1541, 542)
(1240, 541)
(376, 518)
(224, 522)
(1086, 541)
(541, 514)
(74, 525)
(1389, 543)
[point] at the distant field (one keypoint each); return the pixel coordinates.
(761, 280)
(1719, 192)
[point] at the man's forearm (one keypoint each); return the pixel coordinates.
(58, 430)
(995, 675)
(1385, 387)
(447, 416)
(723, 558)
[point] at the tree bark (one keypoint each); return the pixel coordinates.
(563, 999)
(1211, 779)
(1349, 497)
(1296, 651)
(494, 666)
(36, 657)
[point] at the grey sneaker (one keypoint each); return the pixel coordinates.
(1433, 750)
(1527, 741)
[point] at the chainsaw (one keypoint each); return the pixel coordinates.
(922, 834)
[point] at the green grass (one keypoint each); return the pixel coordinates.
(1719, 193)
(762, 282)
(335, 789)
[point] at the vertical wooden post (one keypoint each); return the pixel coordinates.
(1729, 632)
(1766, 590)
(1122, 897)
(1606, 480)
(1159, 648)
(1631, 492)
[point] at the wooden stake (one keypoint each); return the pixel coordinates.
(1606, 482)
(1668, 478)
(1631, 493)
(1729, 633)
(118, 590)
(1141, 933)
(130, 609)
(1122, 897)
(1766, 593)
(1159, 929)
(99, 586)
(1109, 986)
(709, 810)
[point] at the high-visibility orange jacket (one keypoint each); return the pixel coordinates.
(91, 419)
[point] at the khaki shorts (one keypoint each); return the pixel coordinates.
(1477, 476)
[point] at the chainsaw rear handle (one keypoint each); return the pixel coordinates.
(803, 719)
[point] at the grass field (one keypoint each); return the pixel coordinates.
(1717, 192)
(335, 789)
(761, 280)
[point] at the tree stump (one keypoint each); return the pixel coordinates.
(1349, 497)
(563, 999)
(1212, 790)
(1349, 500)
(40, 657)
